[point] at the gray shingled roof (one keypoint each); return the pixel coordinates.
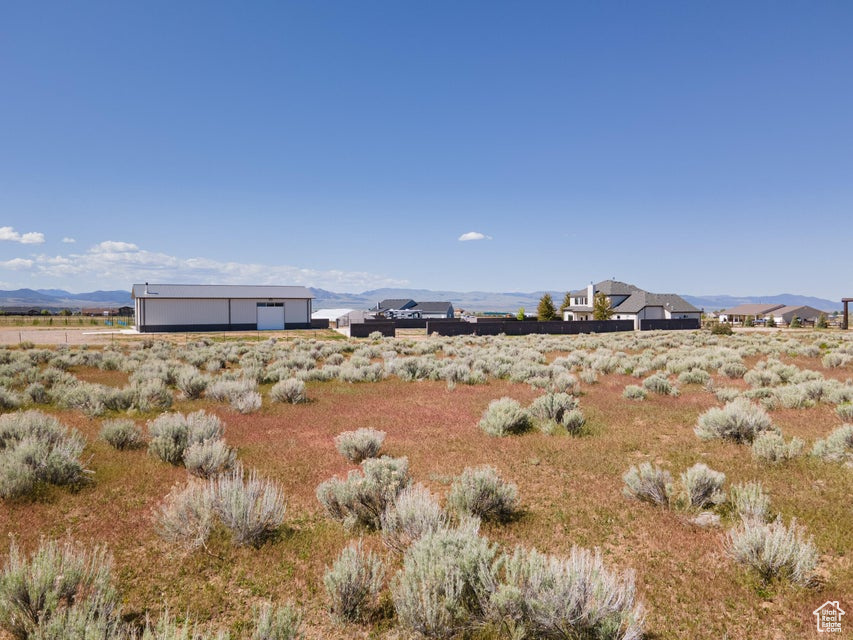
(433, 307)
(610, 288)
(669, 301)
(394, 303)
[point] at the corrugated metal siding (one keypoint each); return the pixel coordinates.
(186, 312)
(296, 312)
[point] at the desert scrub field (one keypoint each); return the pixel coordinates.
(446, 488)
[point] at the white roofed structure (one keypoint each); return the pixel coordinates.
(215, 307)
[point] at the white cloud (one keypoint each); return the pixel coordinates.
(17, 264)
(32, 237)
(473, 235)
(114, 264)
(68, 240)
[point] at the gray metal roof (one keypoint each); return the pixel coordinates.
(609, 288)
(152, 290)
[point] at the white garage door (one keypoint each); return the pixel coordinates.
(270, 318)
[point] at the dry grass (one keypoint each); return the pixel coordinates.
(570, 491)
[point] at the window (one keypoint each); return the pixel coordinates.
(270, 304)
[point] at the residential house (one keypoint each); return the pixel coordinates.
(742, 312)
(407, 308)
(629, 302)
(804, 313)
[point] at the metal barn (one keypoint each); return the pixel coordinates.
(214, 307)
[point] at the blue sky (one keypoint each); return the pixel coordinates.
(693, 147)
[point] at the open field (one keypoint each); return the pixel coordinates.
(428, 395)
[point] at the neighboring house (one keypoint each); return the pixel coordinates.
(629, 303)
(407, 308)
(739, 314)
(804, 313)
(107, 311)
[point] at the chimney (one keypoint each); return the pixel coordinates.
(146, 288)
(590, 294)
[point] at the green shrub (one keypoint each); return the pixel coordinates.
(634, 392)
(740, 421)
(483, 493)
(721, 329)
(173, 433)
(36, 448)
(648, 483)
(845, 411)
(505, 416)
(277, 623)
(412, 513)
(360, 444)
(446, 583)
(122, 434)
(837, 447)
(573, 421)
(576, 597)
(770, 446)
(703, 486)
(694, 376)
(552, 406)
(186, 516)
(749, 501)
(734, 369)
(353, 583)
(657, 383)
(60, 585)
(774, 550)
(252, 508)
(363, 496)
(209, 458)
(291, 390)
(191, 383)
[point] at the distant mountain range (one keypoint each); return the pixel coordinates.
(57, 299)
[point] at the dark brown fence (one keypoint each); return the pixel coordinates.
(675, 324)
(364, 329)
(320, 323)
(410, 323)
(526, 327)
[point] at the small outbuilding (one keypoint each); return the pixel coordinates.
(211, 307)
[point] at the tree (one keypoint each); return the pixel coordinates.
(546, 311)
(749, 321)
(521, 314)
(601, 309)
(795, 323)
(821, 321)
(771, 321)
(567, 302)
